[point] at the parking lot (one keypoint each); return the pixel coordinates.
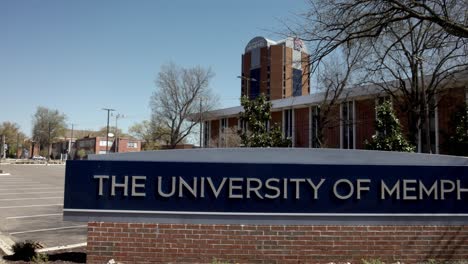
(31, 202)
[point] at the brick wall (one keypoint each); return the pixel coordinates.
(365, 121)
(215, 132)
(193, 243)
(305, 73)
(288, 71)
(276, 118)
(245, 70)
(263, 70)
(276, 72)
(332, 131)
(232, 123)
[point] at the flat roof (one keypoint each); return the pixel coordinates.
(358, 91)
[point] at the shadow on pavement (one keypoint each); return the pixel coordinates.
(74, 257)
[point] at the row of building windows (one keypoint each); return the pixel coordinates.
(102, 143)
(347, 126)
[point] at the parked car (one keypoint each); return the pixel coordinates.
(38, 158)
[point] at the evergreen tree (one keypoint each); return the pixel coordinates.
(256, 116)
(388, 136)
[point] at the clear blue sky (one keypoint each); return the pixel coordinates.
(81, 56)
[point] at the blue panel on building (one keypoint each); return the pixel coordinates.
(297, 82)
(254, 86)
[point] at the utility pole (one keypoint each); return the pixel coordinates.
(201, 123)
(48, 144)
(3, 147)
(70, 144)
(117, 132)
(17, 144)
(107, 134)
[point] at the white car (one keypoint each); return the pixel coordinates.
(38, 158)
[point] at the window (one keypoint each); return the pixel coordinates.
(206, 133)
(102, 143)
(224, 125)
(222, 131)
(297, 82)
(288, 123)
(347, 125)
(85, 143)
(132, 145)
(382, 99)
(254, 86)
(241, 125)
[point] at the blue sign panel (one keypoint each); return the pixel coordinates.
(266, 189)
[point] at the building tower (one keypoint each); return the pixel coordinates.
(277, 69)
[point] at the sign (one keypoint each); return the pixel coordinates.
(257, 42)
(298, 44)
(265, 189)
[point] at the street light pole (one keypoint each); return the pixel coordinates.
(48, 144)
(201, 122)
(17, 144)
(107, 134)
(3, 147)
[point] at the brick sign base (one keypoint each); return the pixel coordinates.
(195, 243)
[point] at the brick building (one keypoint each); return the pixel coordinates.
(98, 145)
(276, 69)
(352, 120)
(295, 110)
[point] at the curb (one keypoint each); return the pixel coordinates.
(62, 247)
(5, 174)
(5, 245)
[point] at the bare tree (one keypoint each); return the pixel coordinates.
(329, 24)
(178, 95)
(414, 63)
(48, 124)
(336, 74)
(152, 134)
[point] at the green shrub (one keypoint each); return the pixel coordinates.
(24, 250)
(81, 153)
(40, 258)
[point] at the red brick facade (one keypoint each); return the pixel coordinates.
(363, 121)
(194, 243)
(301, 132)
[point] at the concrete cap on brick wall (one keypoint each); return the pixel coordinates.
(288, 156)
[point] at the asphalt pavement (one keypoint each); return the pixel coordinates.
(31, 203)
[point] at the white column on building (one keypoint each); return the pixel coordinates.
(341, 125)
(283, 122)
(436, 124)
(310, 126)
(354, 125)
(293, 127)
